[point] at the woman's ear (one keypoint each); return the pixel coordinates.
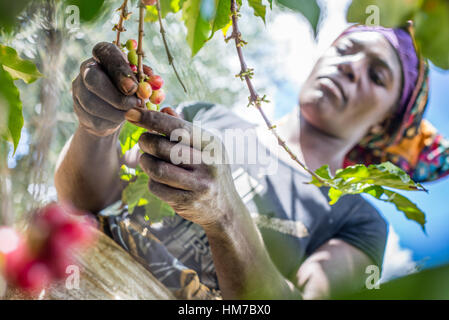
(377, 129)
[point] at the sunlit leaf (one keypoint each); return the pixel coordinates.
(372, 180)
(259, 8)
(17, 67)
(129, 136)
(167, 6)
(222, 18)
(137, 194)
(198, 27)
(10, 97)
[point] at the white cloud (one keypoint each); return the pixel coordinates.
(398, 261)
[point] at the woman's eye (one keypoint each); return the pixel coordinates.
(343, 48)
(376, 78)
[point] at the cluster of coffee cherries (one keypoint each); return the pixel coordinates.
(43, 256)
(150, 87)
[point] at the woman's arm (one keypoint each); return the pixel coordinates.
(204, 193)
(87, 174)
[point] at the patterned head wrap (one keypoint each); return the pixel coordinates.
(407, 141)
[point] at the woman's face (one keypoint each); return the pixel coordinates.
(355, 85)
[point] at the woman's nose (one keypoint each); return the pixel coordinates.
(352, 67)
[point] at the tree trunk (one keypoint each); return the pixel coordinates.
(107, 272)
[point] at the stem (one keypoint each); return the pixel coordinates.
(123, 13)
(254, 97)
(167, 50)
(140, 53)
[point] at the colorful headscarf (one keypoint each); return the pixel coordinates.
(408, 141)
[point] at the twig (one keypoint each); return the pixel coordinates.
(254, 98)
(140, 53)
(167, 50)
(123, 15)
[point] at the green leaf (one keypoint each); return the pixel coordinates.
(324, 172)
(222, 16)
(372, 180)
(129, 136)
(390, 13)
(10, 97)
(9, 11)
(89, 9)
(411, 211)
(259, 8)
(167, 6)
(308, 8)
(137, 194)
(198, 28)
(17, 67)
(432, 32)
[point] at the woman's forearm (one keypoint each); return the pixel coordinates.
(87, 174)
(243, 266)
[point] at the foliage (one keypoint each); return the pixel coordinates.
(137, 194)
(431, 20)
(372, 180)
(12, 68)
(428, 284)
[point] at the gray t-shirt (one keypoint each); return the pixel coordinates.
(293, 217)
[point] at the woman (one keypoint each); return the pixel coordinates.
(362, 103)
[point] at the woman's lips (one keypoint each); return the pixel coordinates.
(330, 85)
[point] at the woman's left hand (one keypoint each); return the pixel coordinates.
(187, 167)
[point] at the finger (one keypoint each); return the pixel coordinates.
(174, 197)
(95, 106)
(170, 111)
(94, 124)
(169, 174)
(97, 81)
(116, 66)
(175, 153)
(174, 128)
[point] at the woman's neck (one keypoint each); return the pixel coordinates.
(317, 147)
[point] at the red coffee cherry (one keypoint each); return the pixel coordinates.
(131, 44)
(158, 96)
(144, 90)
(156, 82)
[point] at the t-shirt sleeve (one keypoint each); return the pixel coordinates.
(193, 110)
(366, 230)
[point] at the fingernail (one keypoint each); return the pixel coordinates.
(128, 85)
(133, 115)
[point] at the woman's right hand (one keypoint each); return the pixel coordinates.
(104, 90)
